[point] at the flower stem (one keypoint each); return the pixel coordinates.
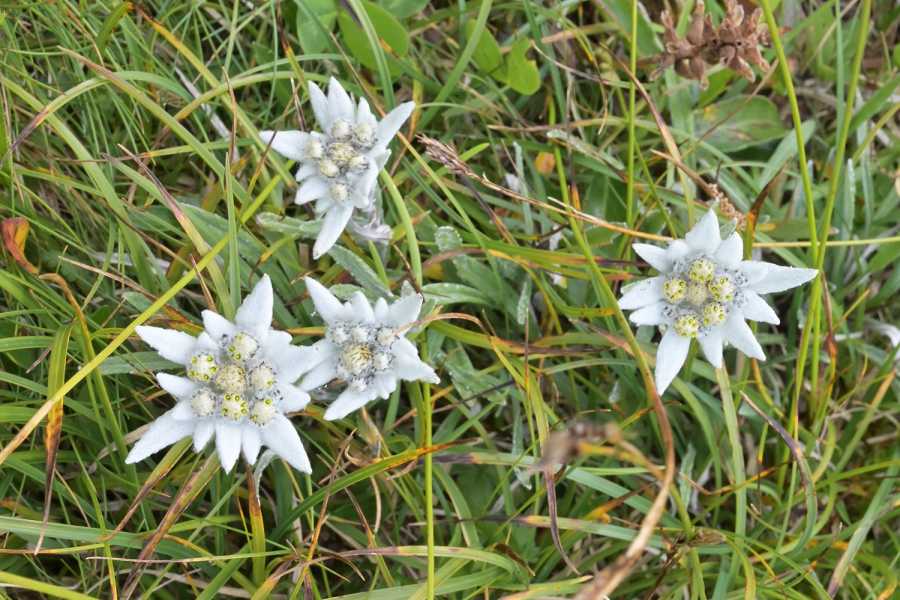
(429, 495)
(632, 90)
(784, 68)
(737, 460)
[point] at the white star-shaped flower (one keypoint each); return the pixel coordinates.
(364, 346)
(239, 386)
(705, 291)
(339, 167)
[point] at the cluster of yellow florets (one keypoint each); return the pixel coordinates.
(698, 296)
(235, 384)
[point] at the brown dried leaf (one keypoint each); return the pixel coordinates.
(15, 231)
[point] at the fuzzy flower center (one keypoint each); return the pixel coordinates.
(202, 367)
(342, 154)
(232, 379)
(236, 382)
(699, 294)
(234, 407)
(364, 351)
(263, 411)
(203, 402)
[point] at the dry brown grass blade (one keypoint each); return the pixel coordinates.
(190, 490)
(162, 469)
(15, 231)
(608, 579)
(53, 429)
(554, 519)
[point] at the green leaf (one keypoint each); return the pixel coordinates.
(391, 35)
(876, 103)
(455, 293)
(404, 8)
(361, 272)
(786, 150)
(289, 225)
(313, 35)
(522, 74)
(619, 12)
(487, 52)
(739, 122)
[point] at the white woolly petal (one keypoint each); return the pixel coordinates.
(340, 105)
(205, 343)
(283, 439)
(739, 335)
(332, 226)
(307, 169)
(730, 251)
(178, 387)
(381, 310)
(405, 347)
(670, 357)
(217, 326)
(360, 307)
(202, 434)
(274, 342)
(756, 309)
(293, 398)
(183, 411)
(251, 442)
(348, 401)
(676, 250)
(176, 346)
(319, 376)
(255, 312)
(290, 363)
(328, 307)
(311, 189)
(651, 314)
(294, 361)
(228, 444)
(164, 431)
(385, 383)
(320, 106)
(323, 205)
(754, 270)
(365, 185)
(711, 344)
(404, 311)
(411, 368)
(364, 114)
(392, 122)
(704, 237)
(656, 257)
(311, 357)
(642, 293)
(290, 144)
(778, 279)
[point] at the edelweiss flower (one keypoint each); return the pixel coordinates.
(364, 347)
(338, 168)
(238, 386)
(705, 291)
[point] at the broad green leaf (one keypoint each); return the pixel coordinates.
(786, 151)
(404, 8)
(487, 52)
(739, 122)
(311, 34)
(289, 225)
(455, 293)
(619, 12)
(522, 74)
(361, 272)
(391, 34)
